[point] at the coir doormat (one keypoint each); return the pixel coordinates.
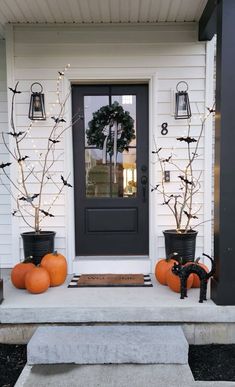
(110, 280)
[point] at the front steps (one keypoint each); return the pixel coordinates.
(121, 344)
(107, 356)
(156, 356)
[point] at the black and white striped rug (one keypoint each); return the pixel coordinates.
(74, 283)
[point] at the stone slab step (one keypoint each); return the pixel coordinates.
(108, 375)
(137, 344)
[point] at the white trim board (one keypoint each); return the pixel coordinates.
(208, 162)
(13, 171)
(115, 265)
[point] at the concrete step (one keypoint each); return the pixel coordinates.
(115, 344)
(108, 375)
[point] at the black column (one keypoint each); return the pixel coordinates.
(223, 285)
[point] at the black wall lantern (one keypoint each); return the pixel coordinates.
(182, 105)
(37, 104)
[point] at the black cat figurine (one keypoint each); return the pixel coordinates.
(184, 271)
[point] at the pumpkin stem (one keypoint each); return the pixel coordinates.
(171, 256)
(28, 259)
(55, 252)
(197, 260)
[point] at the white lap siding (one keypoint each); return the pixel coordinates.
(172, 52)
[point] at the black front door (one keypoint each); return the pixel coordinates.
(111, 169)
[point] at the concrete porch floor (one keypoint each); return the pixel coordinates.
(103, 305)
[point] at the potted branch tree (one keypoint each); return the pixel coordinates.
(182, 239)
(32, 178)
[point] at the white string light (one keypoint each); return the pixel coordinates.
(32, 123)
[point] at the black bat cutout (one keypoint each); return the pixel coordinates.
(47, 213)
(54, 141)
(189, 216)
(60, 73)
(3, 165)
(23, 159)
(14, 212)
(15, 91)
(186, 181)
(157, 151)
(16, 134)
(65, 182)
(187, 139)
(155, 188)
(166, 202)
(29, 199)
(211, 110)
(35, 196)
(176, 196)
(167, 159)
(58, 120)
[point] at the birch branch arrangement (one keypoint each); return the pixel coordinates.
(28, 205)
(180, 203)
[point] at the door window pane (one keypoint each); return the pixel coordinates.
(97, 174)
(109, 174)
(92, 103)
(128, 102)
(124, 181)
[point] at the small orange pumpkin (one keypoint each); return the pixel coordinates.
(19, 272)
(173, 281)
(37, 280)
(161, 269)
(56, 265)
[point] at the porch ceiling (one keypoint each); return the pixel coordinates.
(99, 11)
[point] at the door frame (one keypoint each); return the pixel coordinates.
(131, 214)
(111, 75)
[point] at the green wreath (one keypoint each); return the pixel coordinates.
(106, 116)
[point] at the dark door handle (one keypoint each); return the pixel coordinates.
(144, 181)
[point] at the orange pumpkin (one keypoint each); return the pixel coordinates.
(196, 280)
(162, 268)
(37, 280)
(56, 265)
(173, 281)
(19, 272)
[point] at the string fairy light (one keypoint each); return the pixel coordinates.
(48, 114)
(39, 156)
(59, 78)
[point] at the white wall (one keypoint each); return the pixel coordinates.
(5, 202)
(172, 52)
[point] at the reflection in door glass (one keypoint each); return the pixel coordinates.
(92, 103)
(109, 179)
(127, 161)
(97, 174)
(107, 175)
(128, 102)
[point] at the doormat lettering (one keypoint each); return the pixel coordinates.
(110, 280)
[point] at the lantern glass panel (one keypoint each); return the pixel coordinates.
(182, 105)
(37, 107)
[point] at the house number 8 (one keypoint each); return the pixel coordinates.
(164, 130)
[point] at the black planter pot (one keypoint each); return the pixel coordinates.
(183, 244)
(38, 245)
